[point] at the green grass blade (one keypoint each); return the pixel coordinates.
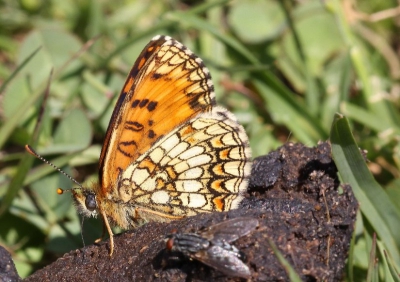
(392, 267)
(350, 259)
(293, 276)
(312, 93)
(383, 264)
(16, 183)
(18, 69)
(12, 122)
(368, 118)
(372, 267)
(25, 163)
(204, 7)
(374, 202)
(266, 77)
(164, 24)
(199, 23)
(43, 170)
(289, 111)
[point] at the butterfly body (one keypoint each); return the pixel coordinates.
(169, 151)
(181, 175)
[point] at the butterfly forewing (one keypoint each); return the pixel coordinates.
(167, 86)
(122, 105)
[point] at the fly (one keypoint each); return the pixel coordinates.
(213, 246)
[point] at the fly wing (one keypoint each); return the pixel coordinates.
(223, 260)
(230, 230)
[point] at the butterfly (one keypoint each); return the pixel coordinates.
(169, 151)
(213, 246)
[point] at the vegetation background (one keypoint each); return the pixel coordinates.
(283, 67)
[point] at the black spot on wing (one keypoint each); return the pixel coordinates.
(143, 103)
(133, 126)
(152, 106)
(156, 76)
(135, 103)
(123, 147)
(151, 134)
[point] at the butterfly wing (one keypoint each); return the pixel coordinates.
(230, 230)
(226, 261)
(167, 86)
(202, 165)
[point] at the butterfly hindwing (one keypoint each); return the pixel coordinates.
(200, 166)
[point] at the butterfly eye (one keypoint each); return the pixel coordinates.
(90, 202)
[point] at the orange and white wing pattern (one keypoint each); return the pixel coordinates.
(202, 165)
(169, 152)
(167, 86)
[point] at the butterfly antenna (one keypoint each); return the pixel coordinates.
(31, 151)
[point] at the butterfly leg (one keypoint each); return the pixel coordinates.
(103, 232)
(150, 215)
(111, 234)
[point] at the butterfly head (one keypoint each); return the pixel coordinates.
(85, 200)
